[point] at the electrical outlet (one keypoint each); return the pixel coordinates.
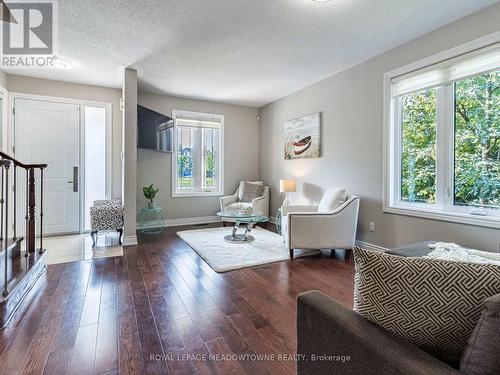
(371, 226)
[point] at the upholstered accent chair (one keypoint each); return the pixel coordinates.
(330, 225)
(106, 215)
(247, 197)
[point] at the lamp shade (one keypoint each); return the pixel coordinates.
(288, 186)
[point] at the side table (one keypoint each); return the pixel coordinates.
(151, 220)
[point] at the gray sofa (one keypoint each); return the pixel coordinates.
(332, 339)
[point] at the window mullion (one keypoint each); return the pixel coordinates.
(398, 147)
(175, 158)
(203, 158)
(441, 167)
(218, 160)
(197, 170)
(448, 147)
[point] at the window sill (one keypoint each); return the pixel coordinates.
(453, 217)
(192, 194)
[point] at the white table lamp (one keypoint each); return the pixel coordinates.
(287, 187)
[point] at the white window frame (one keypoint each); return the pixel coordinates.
(220, 159)
(442, 210)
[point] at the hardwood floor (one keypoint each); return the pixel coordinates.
(161, 309)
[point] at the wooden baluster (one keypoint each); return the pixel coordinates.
(26, 217)
(14, 223)
(6, 236)
(31, 210)
(41, 212)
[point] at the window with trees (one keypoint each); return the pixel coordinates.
(477, 141)
(444, 139)
(197, 161)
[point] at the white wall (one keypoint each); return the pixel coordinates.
(46, 87)
(130, 158)
(352, 106)
(3, 79)
(241, 156)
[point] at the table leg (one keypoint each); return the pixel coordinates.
(248, 230)
(235, 229)
(234, 237)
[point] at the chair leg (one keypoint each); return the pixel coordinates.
(341, 254)
(291, 253)
(93, 234)
(120, 230)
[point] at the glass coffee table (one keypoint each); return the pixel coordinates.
(247, 219)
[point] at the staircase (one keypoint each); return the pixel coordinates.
(21, 263)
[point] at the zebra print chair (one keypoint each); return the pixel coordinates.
(106, 215)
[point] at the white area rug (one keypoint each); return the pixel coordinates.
(222, 256)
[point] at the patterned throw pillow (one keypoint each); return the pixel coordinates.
(432, 303)
(249, 191)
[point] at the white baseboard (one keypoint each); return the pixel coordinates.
(370, 246)
(129, 240)
(179, 222)
(192, 221)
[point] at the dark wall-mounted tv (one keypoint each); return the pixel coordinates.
(155, 131)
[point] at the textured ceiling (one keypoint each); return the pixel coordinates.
(248, 52)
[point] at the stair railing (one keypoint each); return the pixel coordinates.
(6, 162)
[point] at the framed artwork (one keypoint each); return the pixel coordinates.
(302, 137)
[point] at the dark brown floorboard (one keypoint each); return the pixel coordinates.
(160, 309)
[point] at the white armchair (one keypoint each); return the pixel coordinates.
(330, 227)
(257, 204)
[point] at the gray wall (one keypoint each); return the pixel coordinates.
(241, 156)
(352, 156)
(35, 86)
(241, 142)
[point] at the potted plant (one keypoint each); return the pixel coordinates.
(150, 194)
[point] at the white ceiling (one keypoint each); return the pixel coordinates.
(248, 52)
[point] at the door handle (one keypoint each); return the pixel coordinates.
(75, 180)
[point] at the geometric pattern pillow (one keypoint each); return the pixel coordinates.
(435, 304)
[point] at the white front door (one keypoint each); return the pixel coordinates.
(48, 132)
